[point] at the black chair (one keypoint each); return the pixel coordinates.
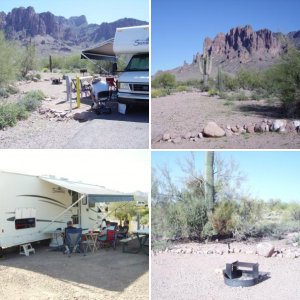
(101, 103)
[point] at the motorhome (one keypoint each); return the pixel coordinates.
(32, 207)
(133, 81)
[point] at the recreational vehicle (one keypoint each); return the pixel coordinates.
(33, 207)
(133, 82)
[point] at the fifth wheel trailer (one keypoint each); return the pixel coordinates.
(34, 206)
(133, 82)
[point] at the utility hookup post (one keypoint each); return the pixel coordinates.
(69, 96)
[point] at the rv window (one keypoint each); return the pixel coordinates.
(84, 201)
(139, 62)
(75, 219)
(74, 198)
(24, 223)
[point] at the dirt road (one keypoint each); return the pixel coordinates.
(184, 112)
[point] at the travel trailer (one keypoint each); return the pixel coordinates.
(132, 42)
(33, 207)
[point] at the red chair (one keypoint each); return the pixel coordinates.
(110, 241)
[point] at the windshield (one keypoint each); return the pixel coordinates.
(139, 62)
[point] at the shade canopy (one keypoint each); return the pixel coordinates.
(95, 193)
(103, 51)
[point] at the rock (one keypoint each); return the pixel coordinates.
(81, 116)
(228, 127)
(177, 140)
(34, 79)
(257, 128)
(295, 244)
(242, 130)
(213, 130)
(166, 136)
(173, 135)
(274, 254)
(187, 135)
(189, 251)
(42, 111)
(290, 255)
(193, 134)
(57, 114)
(200, 135)
(63, 114)
(265, 249)
(250, 129)
(296, 124)
(228, 133)
(157, 139)
(278, 125)
(194, 139)
(234, 129)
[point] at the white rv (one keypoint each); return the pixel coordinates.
(32, 207)
(133, 82)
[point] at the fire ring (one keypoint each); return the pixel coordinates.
(235, 277)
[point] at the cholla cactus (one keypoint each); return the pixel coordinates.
(205, 65)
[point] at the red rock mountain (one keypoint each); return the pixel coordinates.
(24, 23)
(241, 47)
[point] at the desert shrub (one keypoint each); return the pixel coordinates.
(156, 93)
(4, 93)
(28, 60)
(294, 212)
(223, 95)
(241, 96)
(212, 92)
(45, 70)
(176, 220)
(223, 218)
(285, 81)
(181, 88)
(11, 89)
(8, 114)
(8, 61)
(38, 76)
(32, 100)
(164, 80)
(230, 82)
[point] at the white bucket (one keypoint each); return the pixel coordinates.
(122, 108)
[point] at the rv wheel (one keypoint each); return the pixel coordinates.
(1, 252)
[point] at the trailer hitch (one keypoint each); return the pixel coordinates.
(235, 277)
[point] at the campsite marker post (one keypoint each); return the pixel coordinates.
(78, 91)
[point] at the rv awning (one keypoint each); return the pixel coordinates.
(102, 52)
(95, 193)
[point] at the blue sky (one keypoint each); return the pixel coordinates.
(269, 174)
(116, 169)
(96, 11)
(179, 27)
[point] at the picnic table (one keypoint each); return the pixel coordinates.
(142, 235)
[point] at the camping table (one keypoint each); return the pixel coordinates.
(143, 237)
(91, 240)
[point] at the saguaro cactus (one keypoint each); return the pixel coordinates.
(209, 180)
(205, 65)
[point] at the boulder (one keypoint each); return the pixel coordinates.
(250, 129)
(265, 249)
(166, 136)
(187, 135)
(177, 140)
(234, 129)
(278, 125)
(213, 130)
(200, 135)
(194, 134)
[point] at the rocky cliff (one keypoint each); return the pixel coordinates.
(24, 23)
(241, 47)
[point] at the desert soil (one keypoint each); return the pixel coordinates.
(198, 276)
(105, 274)
(113, 131)
(184, 112)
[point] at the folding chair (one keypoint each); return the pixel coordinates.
(111, 239)
(72, 240)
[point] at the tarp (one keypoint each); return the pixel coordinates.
(102, 52)
(95, 193)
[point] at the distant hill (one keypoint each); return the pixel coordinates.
(56, 33)
(241, 47)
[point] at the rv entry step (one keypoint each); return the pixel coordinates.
(26, 249)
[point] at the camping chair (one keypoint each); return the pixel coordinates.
(72, 240)
(101, 107)
(111, 239)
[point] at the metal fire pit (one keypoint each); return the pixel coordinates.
(235, 277)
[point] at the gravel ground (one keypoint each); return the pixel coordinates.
(130, 131)
(183, 112)
(198, 276)
(106, 274)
